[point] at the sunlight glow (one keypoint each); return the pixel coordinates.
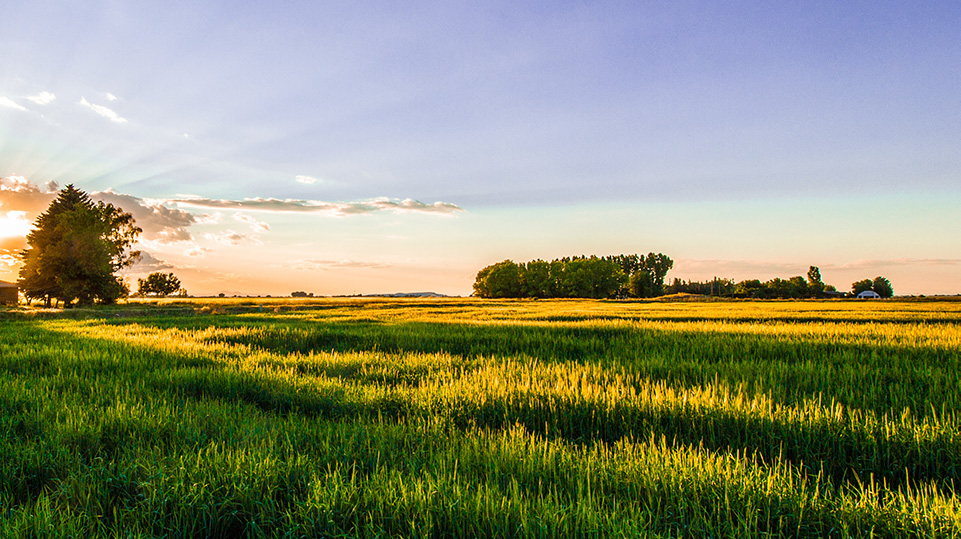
(13, 224)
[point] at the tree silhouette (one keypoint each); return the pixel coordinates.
(74, 250)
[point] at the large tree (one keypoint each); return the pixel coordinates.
(75, 249)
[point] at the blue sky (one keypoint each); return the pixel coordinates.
(379, 147)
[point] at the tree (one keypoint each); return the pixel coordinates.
(159, 284)
(751, 288)
(797, 287)
(536, 279)
(815, 285)
(501, 280)
(862, 286)
(74, 250)
(882, 286)
(641, 285)
(657, 265)
(648, 279)
(592, 278)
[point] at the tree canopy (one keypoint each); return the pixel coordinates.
(882, 286)
(879, 284)
(158, 284)
(75, 249)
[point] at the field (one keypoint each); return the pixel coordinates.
(362, 417)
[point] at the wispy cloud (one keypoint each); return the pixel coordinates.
(43, 98)
(209, 218)
(306, 179)
(316, 206)
(893, 262)
(111, 97)
(255, 225)
(148, 263)
(9, 260)
(103, 111)
(312, 264)
(230, 237)
(11, 104)
(196, 251)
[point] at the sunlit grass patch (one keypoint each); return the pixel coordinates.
(473, 418)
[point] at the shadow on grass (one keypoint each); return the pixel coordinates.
(843, 452)
(876, 377)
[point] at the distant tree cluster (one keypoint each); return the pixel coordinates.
(301, 294)
(74, 250)
(714, 287)
(879, 284)
(796, 287)
(158, 284)
(576, 277)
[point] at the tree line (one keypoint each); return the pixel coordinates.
(576, 277)
(642, 276)
(796, 287)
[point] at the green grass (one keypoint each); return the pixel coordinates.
(283, 418)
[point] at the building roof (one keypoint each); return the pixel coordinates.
(869, 294)
(5, 284)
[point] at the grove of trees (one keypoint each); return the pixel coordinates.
(75, 249)
(576, 277)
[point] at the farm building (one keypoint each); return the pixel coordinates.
(8, 293)
(869, 294)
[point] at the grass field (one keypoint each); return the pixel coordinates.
(361, 417)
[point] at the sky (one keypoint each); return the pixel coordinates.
(379, 147)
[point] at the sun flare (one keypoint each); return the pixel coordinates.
(13, 224)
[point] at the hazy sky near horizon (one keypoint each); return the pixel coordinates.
(382, 146)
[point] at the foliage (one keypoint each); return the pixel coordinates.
(714, 287)
(74, 250)
(575, 277)
(796, 287)
(816, 287)
(496, 419)
(861, 286)
(158, 284)
(501, 280)
(882, 286)
(879, 284)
